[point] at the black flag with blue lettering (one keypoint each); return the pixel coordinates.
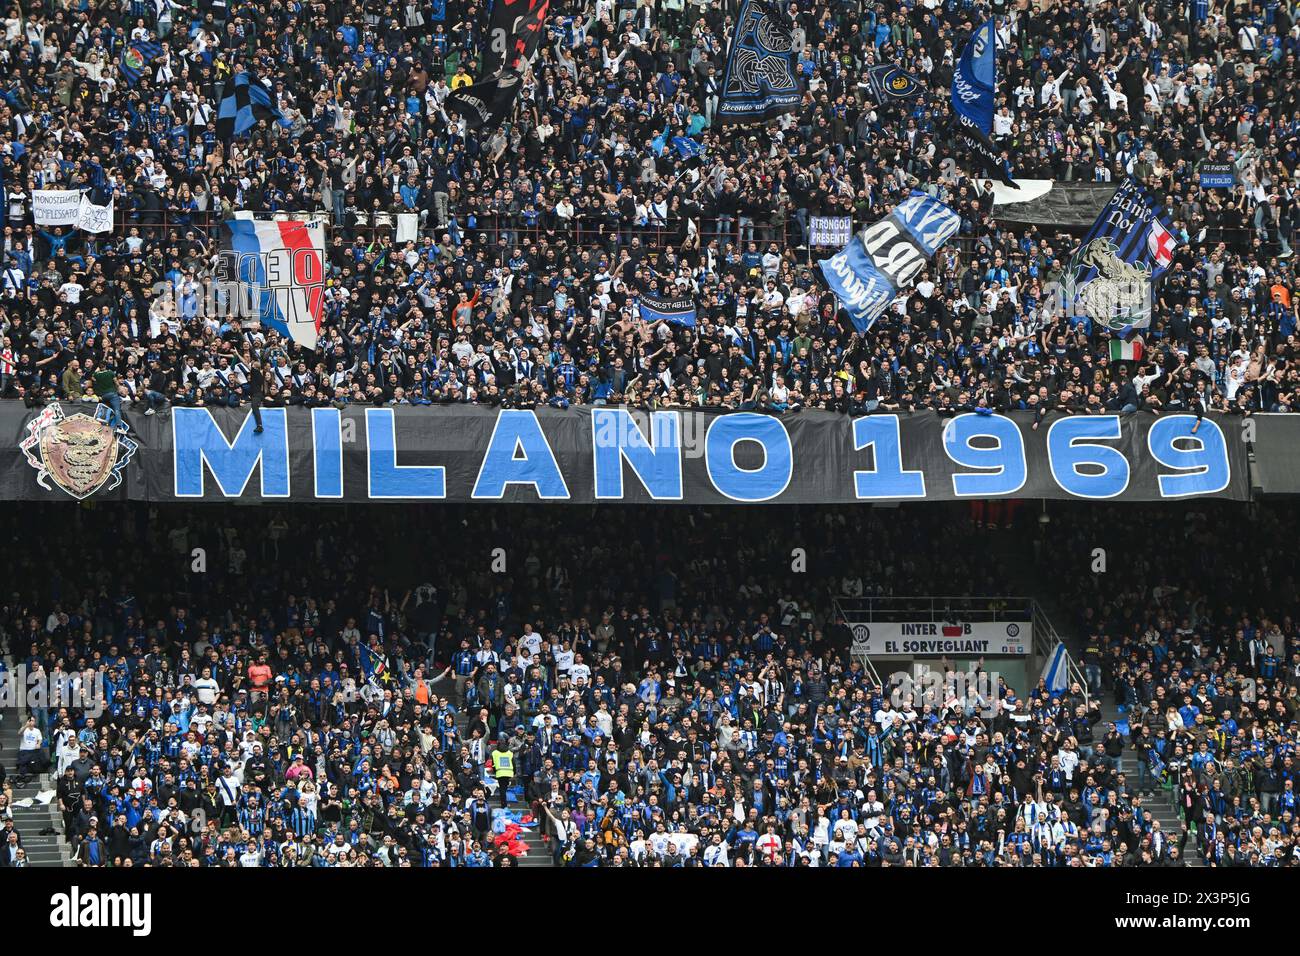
(760, 81)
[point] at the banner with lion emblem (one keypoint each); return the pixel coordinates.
(760, 81)
(1112, 277)
(79, 453)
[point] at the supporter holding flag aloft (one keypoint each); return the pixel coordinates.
(486, 103)
(886, 257)
(974, 89)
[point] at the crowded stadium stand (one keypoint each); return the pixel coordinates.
(911, 384)
(652, 688)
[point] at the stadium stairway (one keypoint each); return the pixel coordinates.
(1162, 803)
(1033, 578)
(538, 847)
(45, 849)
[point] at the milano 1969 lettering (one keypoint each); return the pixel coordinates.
(986, 458)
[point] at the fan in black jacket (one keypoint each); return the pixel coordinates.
(1185, 393)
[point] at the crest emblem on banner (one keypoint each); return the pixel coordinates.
(80, 453)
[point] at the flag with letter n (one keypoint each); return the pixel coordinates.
(760, 81)
(246, 102)
(887, 256)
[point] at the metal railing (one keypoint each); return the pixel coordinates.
(922, 609)
(517, 229)
(582, 231)
(870, 668)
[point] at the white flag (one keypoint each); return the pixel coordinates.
(55, 207)
(92, 218)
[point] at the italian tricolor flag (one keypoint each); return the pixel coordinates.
(1121, 351)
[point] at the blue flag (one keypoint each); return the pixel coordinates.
(687, 148)
(976, 78)
(1112, 275)
(887, 256)
(760, 80)
(889, 83)
(135, 59)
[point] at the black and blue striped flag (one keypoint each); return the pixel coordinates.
(1112, 275)
(241, 108)
(135, 59)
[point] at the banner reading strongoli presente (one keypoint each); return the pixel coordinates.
(601, 454)
(827, 232)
